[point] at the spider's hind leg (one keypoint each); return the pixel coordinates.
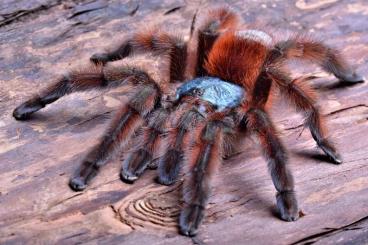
(302, 97)
(328, 58)
(276, 156)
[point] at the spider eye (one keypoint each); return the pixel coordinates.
(197, 91)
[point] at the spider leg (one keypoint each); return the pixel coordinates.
(275, 153)
(120, 131)
(76, 81)
(209, 28)
(329, 59)
(302, 97)
(156, 42)
(127, 121)
(203, 159)
(184, 119)
(139, 158)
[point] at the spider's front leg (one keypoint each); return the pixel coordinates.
(184, 119)
(328, 58)
(146, 144)
(174, 125)
(209, 29)
(203, 159)
(78, 81)
(127, 121)
(276, 156)
(154, 41)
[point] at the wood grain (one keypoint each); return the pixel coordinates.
(40, 39)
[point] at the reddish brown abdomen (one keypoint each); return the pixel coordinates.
(237, 59)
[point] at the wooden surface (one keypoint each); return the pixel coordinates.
(40, 39)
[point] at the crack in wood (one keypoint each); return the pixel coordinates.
(331, 231)
(86, 8)
(295, 127)
(12, 17)
(330, 113)
(215, 214)
(357, 160)
(332, 175)
(63, 35)
(103, 184)
(172, 10)
(346, 108)
(64, 200)
(93, 118)
(74, 235)
(134, 10)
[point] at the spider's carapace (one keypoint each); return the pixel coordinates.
(220, 94)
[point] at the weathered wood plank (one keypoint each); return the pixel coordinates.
(37, 157)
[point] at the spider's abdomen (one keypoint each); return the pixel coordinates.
(219, 93)
(238, 56)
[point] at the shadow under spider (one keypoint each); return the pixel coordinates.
(313, 155)
(252, 192)
(335, 85)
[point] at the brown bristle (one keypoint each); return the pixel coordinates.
(236, 59)
(209, 28)
(220, 18)
(305, 48)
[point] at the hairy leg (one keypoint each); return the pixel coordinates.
(146, 145)
(209, 29)
(275, 153)
(329, 59)
(76, 81)
(126, 122)
(184, 118)
(121, 129)
(302, 97)
(203, 159)
(154, 41)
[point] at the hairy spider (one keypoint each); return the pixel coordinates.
(227, 75)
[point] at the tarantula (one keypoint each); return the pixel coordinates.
(225, 77)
